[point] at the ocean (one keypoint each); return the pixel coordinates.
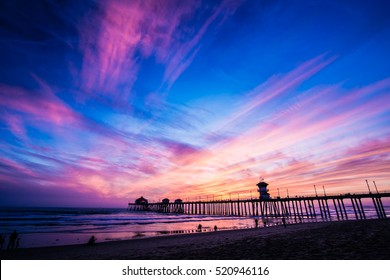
(38, 227)
(41, 227)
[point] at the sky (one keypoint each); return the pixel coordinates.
(104, 101)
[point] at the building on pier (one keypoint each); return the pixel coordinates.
(141, 201)
(141, 204)
(263, 191)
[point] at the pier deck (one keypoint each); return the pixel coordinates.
(297, 207)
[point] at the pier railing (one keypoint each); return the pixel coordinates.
(298, 207)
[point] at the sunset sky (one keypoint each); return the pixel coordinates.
(104, 101)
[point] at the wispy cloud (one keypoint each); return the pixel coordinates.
(42, 105)
(30, 107)
(119, 34)
(320, 135)
(295, 147)
(95, 108)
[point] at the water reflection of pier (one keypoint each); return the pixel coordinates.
(298, 208)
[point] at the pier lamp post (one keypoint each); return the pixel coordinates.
(315, 189)
(368, 186)
(251, 195)
(287, 194)
(238, 196)
(278, 192)
(376, 187)
(324, 190)
(230, 196)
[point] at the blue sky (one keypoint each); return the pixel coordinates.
(104, 101)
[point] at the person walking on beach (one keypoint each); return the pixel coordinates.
(284, 222)
(1, 241)
(199, 227)
(256, 223)
(215, 228)
(12, 239)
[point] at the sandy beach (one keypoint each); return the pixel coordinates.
(366, 239)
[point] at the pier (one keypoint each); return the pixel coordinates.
(326, 207)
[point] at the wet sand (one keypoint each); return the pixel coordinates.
(367, 239)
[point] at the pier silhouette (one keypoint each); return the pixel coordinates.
(326, 207)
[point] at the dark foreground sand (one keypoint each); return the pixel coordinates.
(367, 239)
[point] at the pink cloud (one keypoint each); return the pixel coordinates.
(18, 167)
(120, 33)
(16, 126)
(40, 105)
(43, 110)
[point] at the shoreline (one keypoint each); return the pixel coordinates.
(362, 239)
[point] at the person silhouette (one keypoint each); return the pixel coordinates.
(1, 241)
(256, 223)
(91, 240)
(215, 228)
(12, 239)
(199, 227)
